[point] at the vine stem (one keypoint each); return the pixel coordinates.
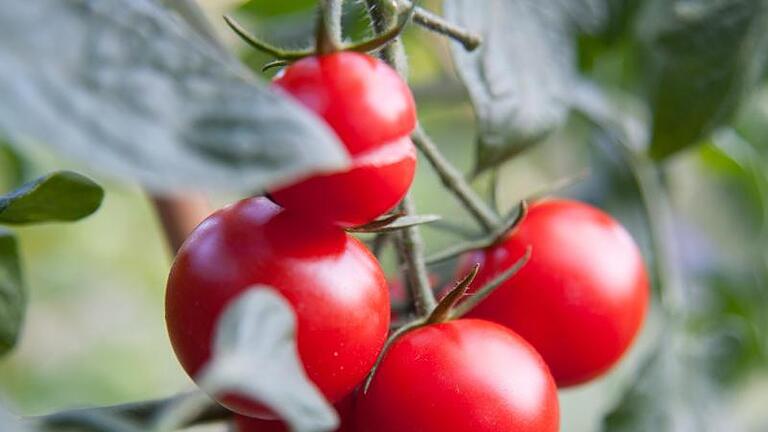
(410, 246)
(455, 182)
(437, 24)
(394, 54)
(409, 241)
(658, 212)
(329, 30)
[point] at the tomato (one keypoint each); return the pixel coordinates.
(581, 298)
(335, 286)
(373, 113)
(460, 376)
(250, 424)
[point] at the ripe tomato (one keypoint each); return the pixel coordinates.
(581, 298)
(251, 424)
(372, 111)
(460, 376)
(335, 286)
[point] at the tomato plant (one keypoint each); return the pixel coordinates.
(275, 306)
(324, 273)
(457, 376)
(581, 298)
(371, 109)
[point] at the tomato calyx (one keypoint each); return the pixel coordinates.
(444, 310)
(497, 236)
(324, 44)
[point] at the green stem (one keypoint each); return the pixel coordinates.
(409, 240)
(657, 207)
(329, 30)
(499, 233)
(437, 24)
(263, 46)
(410, 246)
(455, 182)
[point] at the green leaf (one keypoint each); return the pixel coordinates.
(130, 88)
(13, 167)
(520, 78)
(671, 394)
(60, 196)
(13, 297)
(703, 57)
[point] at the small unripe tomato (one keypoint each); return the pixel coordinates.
(336, 288)
(250, 424)
(371, 109)
(581, 298)
(460, 376)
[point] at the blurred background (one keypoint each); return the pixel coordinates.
(95, 332)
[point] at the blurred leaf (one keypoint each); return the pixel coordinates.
(12, 423)
(254, 355)
(195, 16)
(672, 394)
(619, 16)
(13, 298)
(60, 196)
(132, 90)
(703, 57)
(520, 78)
(614, 113)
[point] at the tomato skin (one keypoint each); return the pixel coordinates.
(324, 273)
(345, 409)
(372, 111)
(582, 297)
(460, 376)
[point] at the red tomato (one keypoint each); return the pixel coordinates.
(460, 376)
(372, 111)
(250, 424)
(335, 286)
(581, 298)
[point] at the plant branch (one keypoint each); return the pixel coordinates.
(438, 24)
(662, 232)
(328, 39)
(455, 181)
(409, 243)
(410, 247)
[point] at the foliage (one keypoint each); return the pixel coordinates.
(139, 93)
(143, 96)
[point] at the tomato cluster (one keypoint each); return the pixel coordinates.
(565, 318)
